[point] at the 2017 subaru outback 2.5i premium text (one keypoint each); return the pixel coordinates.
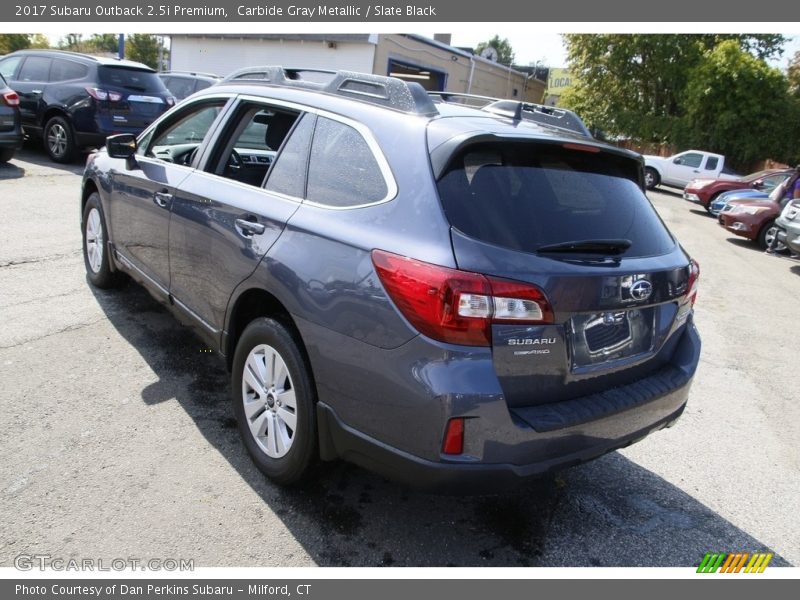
(455, 297)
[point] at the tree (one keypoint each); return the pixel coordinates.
(10, 42)
(635, 84)
(793, 73)
(505, 53)
(143, 48)
(737, 105)
(107, 43)
(38, 40)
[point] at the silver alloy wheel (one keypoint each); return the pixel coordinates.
(649, 179)
(770, 236)
(94, 240)
(57, 139)
(270, 406)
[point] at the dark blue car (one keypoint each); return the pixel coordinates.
(73, 101)
(446, 295)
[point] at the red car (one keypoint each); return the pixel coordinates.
(703, 191)
(753, 219)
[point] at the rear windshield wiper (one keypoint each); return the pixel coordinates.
(606, 247)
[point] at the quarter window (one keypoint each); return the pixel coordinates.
(711, 163)
(65, 70)
(342, 169)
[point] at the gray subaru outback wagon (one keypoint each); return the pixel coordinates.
(450, 291)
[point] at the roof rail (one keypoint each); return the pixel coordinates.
(197, 73)
(388, 92)
(549, 116)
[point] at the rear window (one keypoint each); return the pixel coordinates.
(135, 80)
(523, 196)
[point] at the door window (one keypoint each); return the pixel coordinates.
(690, 159)
(288, 174)
(9, 66)
(179, 139)
(252, 142)
(35, 68)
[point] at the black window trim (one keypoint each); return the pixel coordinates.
(364, 131)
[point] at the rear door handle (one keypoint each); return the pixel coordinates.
(163, 199)
(36, 91)
(248, 228)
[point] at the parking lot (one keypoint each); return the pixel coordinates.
(119, 438)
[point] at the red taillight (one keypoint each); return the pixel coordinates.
(455, 306)
(10, 98)
(454, 437)
(104, 95)
(693, 283)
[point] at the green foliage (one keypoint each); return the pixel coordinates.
(72, 42)
(505, 53)
(737, 105)
(104, 42)
(793, 73)
(10, 42)
(682, 89)
(143, 48)
(38, 40)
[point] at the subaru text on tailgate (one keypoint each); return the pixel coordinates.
(452, 296)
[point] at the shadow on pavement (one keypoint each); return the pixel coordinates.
(8, 170)
(610, 512)
(35, 154)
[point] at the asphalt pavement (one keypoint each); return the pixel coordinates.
(119, 438)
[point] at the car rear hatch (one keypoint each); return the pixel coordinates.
(130, 97)
(570, 221)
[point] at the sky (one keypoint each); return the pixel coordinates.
(547, 47)
(532, 42)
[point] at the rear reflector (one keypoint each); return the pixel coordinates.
(454, 437)
(10, 98)
(455, 306)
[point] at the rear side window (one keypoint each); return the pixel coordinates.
(342, 169)
(136, 80)
(65, 70)
(523, 196)
(35, 68)
(180, 87)
(711, 163)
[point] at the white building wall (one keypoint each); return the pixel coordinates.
(224, 55)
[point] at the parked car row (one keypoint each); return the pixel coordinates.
(74, 101)
(743, 206)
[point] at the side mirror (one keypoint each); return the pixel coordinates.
(758, 184)
(122, 145)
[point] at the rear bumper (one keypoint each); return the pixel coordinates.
(521, 446)
(11, 140)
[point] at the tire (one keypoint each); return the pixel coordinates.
(765, 236)
(710, 200)
(651, 178)
(6, 154)
(280, 438)
(59, 140)
(95, 246)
